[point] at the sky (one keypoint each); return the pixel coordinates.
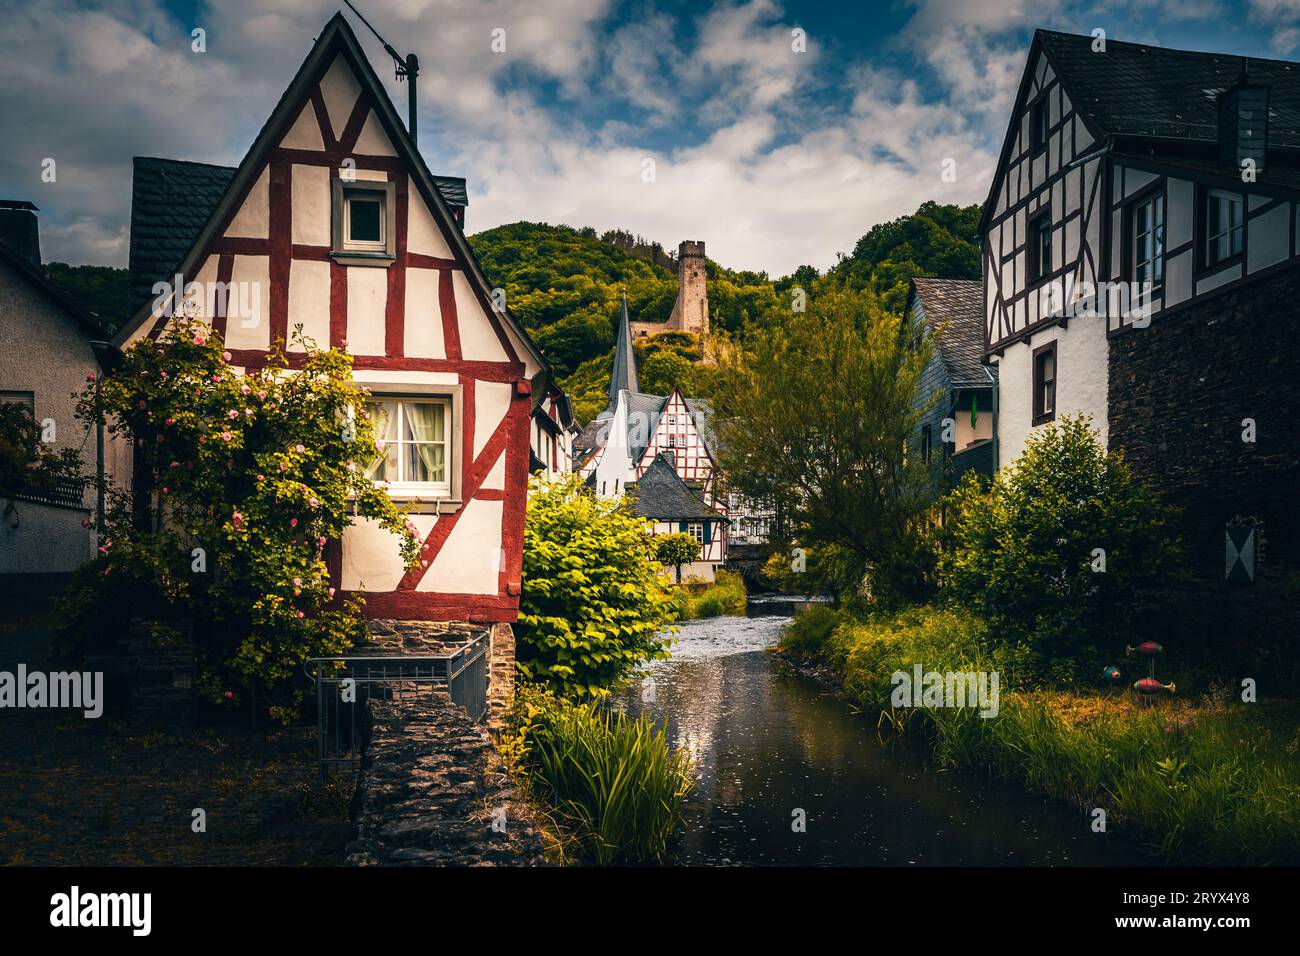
(778, 133)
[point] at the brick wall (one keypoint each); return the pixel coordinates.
(1178, 393)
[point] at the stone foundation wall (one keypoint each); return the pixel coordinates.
(433, 792)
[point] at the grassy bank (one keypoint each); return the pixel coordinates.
(697, 599)
(1198, 781)
(606, 787)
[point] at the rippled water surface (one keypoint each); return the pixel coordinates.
(768, 741)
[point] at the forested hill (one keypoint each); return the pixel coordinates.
(565, 286)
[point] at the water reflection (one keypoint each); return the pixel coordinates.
(769, 743)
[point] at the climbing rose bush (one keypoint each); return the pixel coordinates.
(594, 602)
(252, 473)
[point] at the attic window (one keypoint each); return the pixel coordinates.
(364, 232)
(1038, 119)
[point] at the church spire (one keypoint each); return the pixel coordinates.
(624, 374)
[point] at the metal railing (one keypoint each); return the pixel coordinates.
(344, 684)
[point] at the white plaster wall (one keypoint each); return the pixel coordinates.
(1082, 358)
(423, 330)
(367, 299)
(471, 557)
(309, 302)
(311, 205)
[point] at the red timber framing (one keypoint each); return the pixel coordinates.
(406, 171)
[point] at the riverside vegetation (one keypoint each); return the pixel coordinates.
(1205, 778)
(608, 788)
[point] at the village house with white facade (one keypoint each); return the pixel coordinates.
(335, 218)
(1140, 233)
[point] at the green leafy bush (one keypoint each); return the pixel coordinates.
(725, 595)
(1064, 551)
(594, 601)
(609, 782)
(251, 474)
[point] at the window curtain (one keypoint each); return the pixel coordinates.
(427, 425)
(383, 418)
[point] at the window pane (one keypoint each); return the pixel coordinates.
(363, 219)
(425, 422)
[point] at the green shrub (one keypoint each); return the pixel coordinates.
(1064, 548)
(805, 638)
(594, 602)
(725, 595)
(609, 782)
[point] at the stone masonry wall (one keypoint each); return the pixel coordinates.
(430, 790)
(1178, 393)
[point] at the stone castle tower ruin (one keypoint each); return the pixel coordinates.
(691, 310)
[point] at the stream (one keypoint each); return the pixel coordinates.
(772, 746)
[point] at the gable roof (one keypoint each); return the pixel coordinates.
(38, 278)
(173, 199)
(662, 494)
(623, 375)
(954, 312)
(1151, 91)
(337, 38)
(1156, 98)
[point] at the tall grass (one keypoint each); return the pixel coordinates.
(1210, 781)
(609, 783)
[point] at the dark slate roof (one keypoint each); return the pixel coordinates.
(171, 202)
(1134, 89)
(954, 311)
(662, 494)
(623, 375)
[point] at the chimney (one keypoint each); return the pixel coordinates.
(19, 229)
(1243, 122)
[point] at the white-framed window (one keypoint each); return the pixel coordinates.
(1148, 221)
(415, 447)
(672, 441)
(363, 225)
(1224, 226)
(696, 530)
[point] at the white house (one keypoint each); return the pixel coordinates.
(333, 222)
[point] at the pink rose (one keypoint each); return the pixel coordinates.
(293, 522)
(226, 356)
(198, 340)
(225, 436)
(232, 414)
(299, 449)
(297, 582)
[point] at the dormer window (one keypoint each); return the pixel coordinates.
(362, 216)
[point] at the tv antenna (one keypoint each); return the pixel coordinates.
(408, 68)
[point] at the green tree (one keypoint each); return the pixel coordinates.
(814, 414)
(1066, 547)
(26, 461)
(594, 602)
(664, 369)
(250, 475)
(676, 549)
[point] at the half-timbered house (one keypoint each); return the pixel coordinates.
(637, 432)
(1140, 247)
(333, 224)
(958, 389)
